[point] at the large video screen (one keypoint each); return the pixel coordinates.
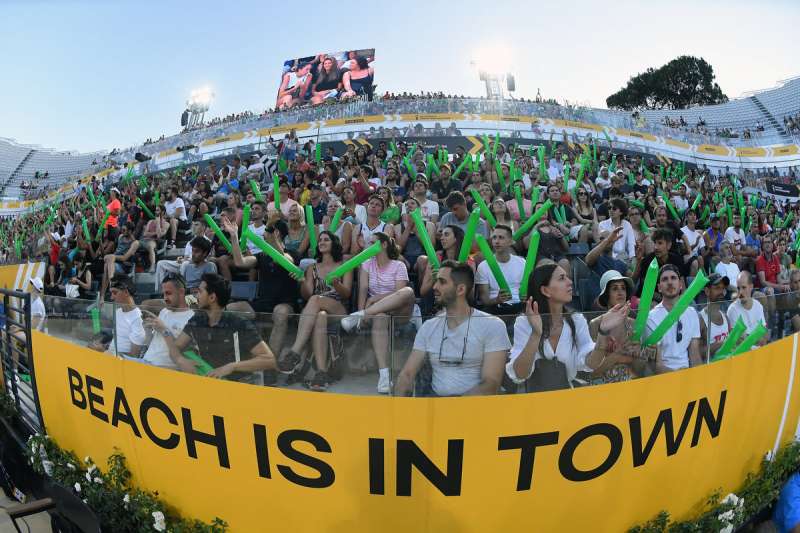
(324, 78)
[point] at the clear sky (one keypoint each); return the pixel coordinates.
(92, 74)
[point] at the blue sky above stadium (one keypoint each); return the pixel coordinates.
(90, 75)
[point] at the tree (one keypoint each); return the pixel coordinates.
(683, 82)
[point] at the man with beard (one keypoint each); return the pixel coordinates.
(466, 348)
(714, 326)
(680, 346)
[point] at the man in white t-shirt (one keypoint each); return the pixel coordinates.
(176, 215)
(726, 267)
(430, 209)
(680, 346)
(494, 301)
(38, 313)
(747, 308)
(714, 327)
(466, 348)
(171, 320)
(735, 235)
(129, 335)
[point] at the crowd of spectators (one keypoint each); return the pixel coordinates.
(792, 123)
(570, 327)
(700, 127)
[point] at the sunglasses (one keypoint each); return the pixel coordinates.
(679, 332)
(453, 361)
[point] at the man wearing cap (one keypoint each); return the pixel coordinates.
(444, 185)
(129, 335)
(714, 326)
(680, 347)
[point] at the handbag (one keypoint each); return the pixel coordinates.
(548, 375)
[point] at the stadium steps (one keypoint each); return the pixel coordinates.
(16, 171)
(770, 119)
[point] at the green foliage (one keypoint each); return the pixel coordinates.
(119, 506)
(759, 491)
(681, 83)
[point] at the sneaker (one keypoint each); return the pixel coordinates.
(384, 384)
(171, 245)
(352, 321)
(290, 363)
(319, 383)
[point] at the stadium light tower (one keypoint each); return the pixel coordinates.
(493, 63)
(196, 106)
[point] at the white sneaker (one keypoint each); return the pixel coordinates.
(384, 384)
(352, 321)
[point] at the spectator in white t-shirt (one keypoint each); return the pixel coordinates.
(38, 313)
(493, 300)
(171, 320)
(129, 335)
(176, 215)
(746, 307)
(680, 346)
(466, 348)
(624, 248)
(726, 267)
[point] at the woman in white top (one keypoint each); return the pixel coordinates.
(549, 331)
(344, 230)
(625, 247)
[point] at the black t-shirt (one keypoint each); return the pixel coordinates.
(218, 344)
(441, 188)
(672, 259)
(275, 286)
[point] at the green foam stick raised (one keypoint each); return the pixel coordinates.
(500, 176)
(312, 230)
(218, 232)
(526, 227)
(318, 152)
(95, 314)
(276, 191)
(669, 205)
(469, 235)
(337, 218)
(145, 208)
(530, 263)
(494, 266)
(257, 192)
(520, 202)
(487, 214)
(424, 238)
(467, 159)
(649, 287)
(245, 224)
(276, 256)
(750, 341)
(102, 225)
(637, 203)
(788, 219)
(412, 173)
(496, 142)
(157, 200)
(432, 166)
(485, 143)
(678, 309)
(90, 190)
(201, 365)
(354, 262)
(86, 233)
(730, 341)
(566, 177)
(696, 201)
(643, 226)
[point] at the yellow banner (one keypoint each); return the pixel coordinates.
(355, 120)
(334, 462)
(266, 132)
(712, 149)
(510, 118)
(636, 134)
(225, 139)
(789, 149)
(751, 152)
(574, 124)
(679, 144)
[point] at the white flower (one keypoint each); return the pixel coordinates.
(731, 498)
(127, 498)
(92, 469)
(71, 466)
(727, 529)
(48, 467)
(88, 477)
(159, 524)
(726, 517)
(98, 480)
(87, 459)
(77, 487)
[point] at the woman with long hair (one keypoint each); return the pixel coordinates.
(502, 213)
(358, 80)
(451, 239)
(551, 344)
(384, 295)
(586, 215)
(345, 229)
(296, 240)
(324, 302)
(328, 82)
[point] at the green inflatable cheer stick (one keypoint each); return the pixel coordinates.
(494, 266)
(500, 176)
(95, 314)
(354, 262)
(432, 166)
(86, 233)
(530, 263)
(312, 230)
(318, 152)
(157, 200)
(469, 235)
(749, 341)
(145, 208)
(276, 191)
(337, 217)
(276, 256)
(520, 202)
(650, 281)
(245, 225)
(730, 341)
(484, 208)
(643, 226)
(496, 142)
(90, 190)
(485, 144)
(218, 232)
(526, 227)
(412, 173)
(637, 203)
(566, 176)
(696, 201)
(102, 225)
(202, 367)
(460, 167)
(425, 239)
(257, 192)
(669, 205)
(678, 309)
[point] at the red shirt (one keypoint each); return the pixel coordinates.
(769, 268)
(113, 208)
(362, 193)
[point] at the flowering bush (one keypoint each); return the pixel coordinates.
(118, 506)
(725, 515)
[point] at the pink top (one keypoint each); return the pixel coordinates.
(383, 280)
